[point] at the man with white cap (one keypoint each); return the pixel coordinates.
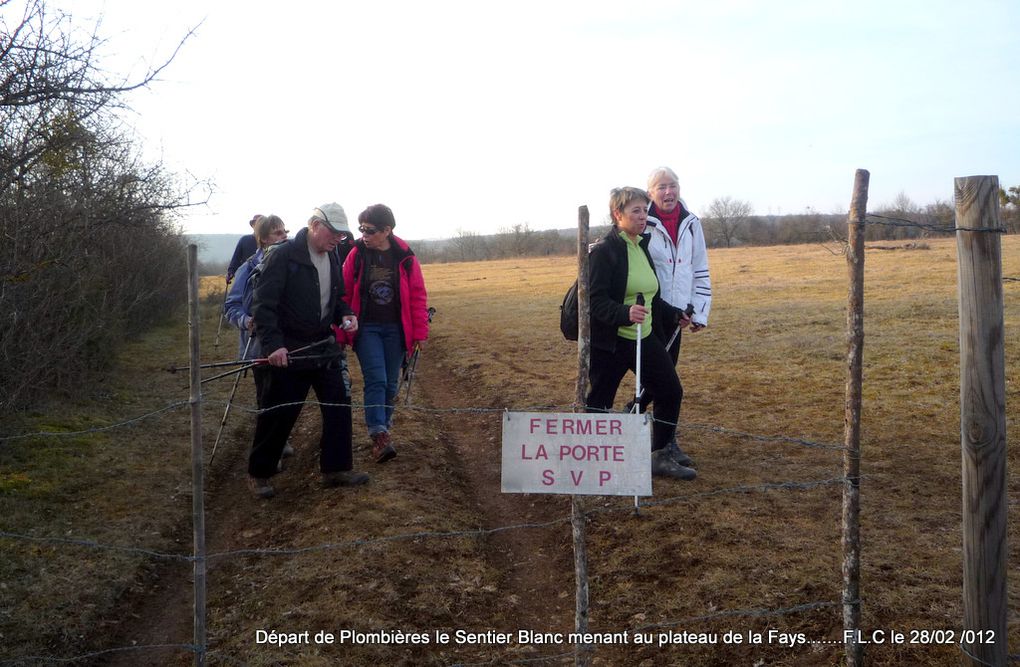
(296, 304)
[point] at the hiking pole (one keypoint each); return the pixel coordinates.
(410, 364)
(637, 379)
(223, 315)
(672, 339)
(245, 362)
(223, 422)
(265, 360)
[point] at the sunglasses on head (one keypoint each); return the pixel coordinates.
(369, 231)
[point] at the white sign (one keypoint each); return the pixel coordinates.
(604, 454)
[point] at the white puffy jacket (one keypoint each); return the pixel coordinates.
(682, 268)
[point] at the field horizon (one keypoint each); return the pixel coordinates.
(431, 546)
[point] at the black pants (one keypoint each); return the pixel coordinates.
(658, 375)
(282, 386)
(664, 334)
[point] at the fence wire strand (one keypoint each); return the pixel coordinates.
(875, 219)
(35, 659)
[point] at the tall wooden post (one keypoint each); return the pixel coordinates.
(982, 420)
(582, 653)
(197, 477)
(852, 423)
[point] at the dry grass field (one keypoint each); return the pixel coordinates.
(432, 546)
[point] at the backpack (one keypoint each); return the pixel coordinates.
(568, 313)
(568, 309)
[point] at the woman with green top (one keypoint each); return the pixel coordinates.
(621, 269)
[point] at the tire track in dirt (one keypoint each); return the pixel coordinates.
(160, 606)
(537, 563)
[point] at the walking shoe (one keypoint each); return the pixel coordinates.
(382, 449)
(679, 455)
(288, 450)
(261, 487)
(343, 478)
(663, 465)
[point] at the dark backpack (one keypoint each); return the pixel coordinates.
(568, 309)
(568, 313)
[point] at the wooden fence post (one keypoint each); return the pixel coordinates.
(197, 477)
(852, 423)
(582, 653)
(982, 420)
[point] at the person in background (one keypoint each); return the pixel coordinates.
(621, 269)
(268, 230)
(388, 296)
(344, 247)
(245, 248)
(677, 248)
(297, 303)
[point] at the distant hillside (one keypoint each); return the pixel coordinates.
(214, 248)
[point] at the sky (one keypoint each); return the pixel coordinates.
(477, 116)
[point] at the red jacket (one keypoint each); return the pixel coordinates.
(410, 291)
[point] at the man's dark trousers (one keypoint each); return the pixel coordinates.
(286, 386)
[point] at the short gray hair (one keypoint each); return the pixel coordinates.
(657, 175)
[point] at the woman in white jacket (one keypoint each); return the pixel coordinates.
(678, 250)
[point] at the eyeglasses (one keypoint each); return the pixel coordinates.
(369, 231)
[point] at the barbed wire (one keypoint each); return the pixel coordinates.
(942, 229)
(776, 486)
(98, 429)
(422, 409)
(91, 544)
(450, 534)
(34, 659)
(468, 532)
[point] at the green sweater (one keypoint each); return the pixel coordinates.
(640, 278)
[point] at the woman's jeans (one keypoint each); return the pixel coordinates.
(380, 350)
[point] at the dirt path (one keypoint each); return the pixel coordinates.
(527, 557)
(158, 609)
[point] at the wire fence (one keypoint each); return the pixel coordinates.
(464, 533)
(418, 535)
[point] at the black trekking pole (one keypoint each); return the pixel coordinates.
(410, 364)
(223, 422)
(246, 362)
(265, 361)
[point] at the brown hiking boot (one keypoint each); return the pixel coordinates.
(382, 449)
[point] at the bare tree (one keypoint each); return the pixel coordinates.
(468, 246)
(726, 218)
(514, 241)
(90, 252)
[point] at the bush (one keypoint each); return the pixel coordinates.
(90, 254)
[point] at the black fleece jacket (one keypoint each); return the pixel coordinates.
(608, 270)
(285, 304)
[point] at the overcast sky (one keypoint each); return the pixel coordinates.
(481, 115)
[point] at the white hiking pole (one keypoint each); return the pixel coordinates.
(230, 400)
(673, 338)
(637, 377)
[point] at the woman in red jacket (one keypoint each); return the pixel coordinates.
(386, 291)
